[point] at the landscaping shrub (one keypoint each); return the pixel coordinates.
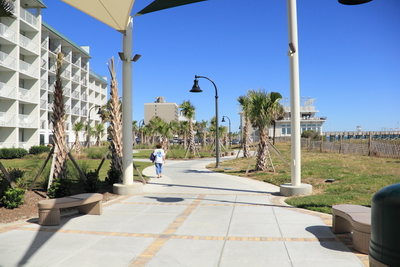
(113, 176)
(93, 183)
(35, 150)
(59, 188)
(13, 197)
(12, 153)
(97, 152)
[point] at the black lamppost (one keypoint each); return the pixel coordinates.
(196, 89)
(98, 112)
(229, 134)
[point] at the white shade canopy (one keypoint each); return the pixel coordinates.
(113, 13)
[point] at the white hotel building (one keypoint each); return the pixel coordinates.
(28, 48)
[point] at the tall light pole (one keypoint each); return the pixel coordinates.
(296, 187)
(229, 134)
(98, 112)
(196, 89)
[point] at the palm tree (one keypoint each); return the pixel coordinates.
(261, 117)
(115, 122)
(78, 126)
(202, 128)
(183, 129)
(244, 102)
(58, 120)
(188, 110)
(98, 131)
(278, 113)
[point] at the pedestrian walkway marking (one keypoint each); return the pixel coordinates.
(151, 250)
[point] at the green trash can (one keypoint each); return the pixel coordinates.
(384, 247)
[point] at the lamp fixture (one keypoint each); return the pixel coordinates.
(353, 2)
(196, 87)
(123, 58)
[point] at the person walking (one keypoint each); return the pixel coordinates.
(160, 159)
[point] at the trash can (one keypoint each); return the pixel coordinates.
(384, 247)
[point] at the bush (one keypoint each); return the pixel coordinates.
(35, 150)
(314, 135)
(12, 153)
(113, 176)
(97, 152)
(59, 188)
(13, 198)
(93, 184)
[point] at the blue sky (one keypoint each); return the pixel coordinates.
(349, 55)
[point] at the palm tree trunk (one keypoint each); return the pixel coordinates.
(262, 151)
(192, 146)
(115, 122)
(58, 119)
(246, 140)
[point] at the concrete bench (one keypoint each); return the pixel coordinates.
(356, 219)
(88, 203)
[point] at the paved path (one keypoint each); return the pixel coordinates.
(189, 217)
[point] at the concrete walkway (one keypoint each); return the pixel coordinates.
(189, 217)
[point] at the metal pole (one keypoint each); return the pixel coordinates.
(294, 94)
(216, 117)
(127, 162)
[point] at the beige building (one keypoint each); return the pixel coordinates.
(28, 48)
(166, 111)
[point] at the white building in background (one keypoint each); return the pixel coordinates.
(28, 48)
(309, 120)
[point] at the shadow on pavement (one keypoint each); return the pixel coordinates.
(322, 233)
(215, 188)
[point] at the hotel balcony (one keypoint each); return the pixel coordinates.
(26, 121)
(27, 95)
(29, 18)
(7, 120)
(7, 61)
(8, 91)
(28, 44)
(27, 68)
(7, 33)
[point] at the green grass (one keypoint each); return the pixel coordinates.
(89, 160)
(357, 178)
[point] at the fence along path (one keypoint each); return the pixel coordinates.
(376, 148)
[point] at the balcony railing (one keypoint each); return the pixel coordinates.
(44, 43)
(76, 61)
(43, 104)
(76, 94)
(7, 33)
(7, 60)
(66, 74)
(84, 81)
(27, 95)
(28, 43)
(53, 48)
(7, 119)
(76, 78)
(76, 111)
(28, 17)
(26, 121)
(67, 91)
(7, 90)
(43, 124)
(43, 84)
(27, 68)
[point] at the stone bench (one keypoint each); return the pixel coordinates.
(87, 203)
(356, 219)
